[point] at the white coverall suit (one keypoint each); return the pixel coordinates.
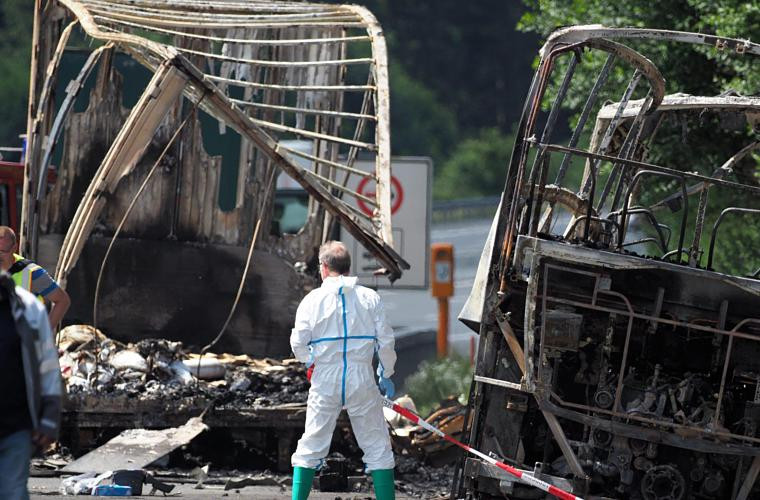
(341, 341)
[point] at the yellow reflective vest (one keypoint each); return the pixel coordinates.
(21, 271)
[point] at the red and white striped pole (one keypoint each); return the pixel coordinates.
(522, 476)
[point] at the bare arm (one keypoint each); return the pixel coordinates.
(61, 302)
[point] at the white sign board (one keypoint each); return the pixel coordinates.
(410, 216)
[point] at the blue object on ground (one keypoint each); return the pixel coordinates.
(112, 490)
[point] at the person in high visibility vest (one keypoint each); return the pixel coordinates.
(339, 327)
(32, 277)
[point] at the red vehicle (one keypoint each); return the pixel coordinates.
(11, 185)
(11, 189)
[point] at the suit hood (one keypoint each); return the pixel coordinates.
(336, 282)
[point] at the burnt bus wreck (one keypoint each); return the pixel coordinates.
(169, 194)
(619, 353)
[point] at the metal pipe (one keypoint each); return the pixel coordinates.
(301, 88)
(699, 224)
(286, 64)
(590, 102)
(650, 166)
(638, 242)
(539, 197)
(337, 186)
(556, 105)
(651, 218)
(637, 126)
(323, 161)
(313, 135)
(306, 111)
(621, 236)
(607, 138)
(595, 218)
(242, 41)
(590, 201)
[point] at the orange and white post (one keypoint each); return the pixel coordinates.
(442, 287)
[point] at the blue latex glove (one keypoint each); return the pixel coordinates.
(386, 387)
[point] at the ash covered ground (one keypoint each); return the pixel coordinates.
(161, 374)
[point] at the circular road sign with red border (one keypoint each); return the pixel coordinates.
(367, 188)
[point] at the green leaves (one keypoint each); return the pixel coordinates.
(15, 46)
(477, 167)
(709, 74)
(438, 380)
(421, 123)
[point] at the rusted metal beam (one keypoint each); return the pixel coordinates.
(749, 481)
(580, 34)
(511, 339)
(33, 137)
(651, 166)
(111, 20)
(238, 120)
(383, 125)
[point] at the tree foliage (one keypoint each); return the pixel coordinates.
(459, 74)
(694, 69)
(477, 166)
(467, 53)
(421, 124)
(15, 47)
(438, 380)
(690, 68)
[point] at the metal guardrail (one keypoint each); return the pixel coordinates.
(464, 209)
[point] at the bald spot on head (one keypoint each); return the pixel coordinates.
(7, 238)
(335, 256)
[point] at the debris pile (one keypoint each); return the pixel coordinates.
(423, 481)
(415, 441)
(92, 363)
(163, 374)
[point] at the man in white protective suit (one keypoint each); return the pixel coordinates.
(338, 328)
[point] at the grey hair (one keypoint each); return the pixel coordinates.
(335, 256)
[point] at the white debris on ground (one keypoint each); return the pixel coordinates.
(156, 368)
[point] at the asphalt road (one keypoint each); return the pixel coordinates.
(47, 489)
(410, 310)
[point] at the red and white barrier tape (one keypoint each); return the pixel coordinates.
(522, 476)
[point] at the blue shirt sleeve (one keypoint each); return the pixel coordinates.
(42, 283)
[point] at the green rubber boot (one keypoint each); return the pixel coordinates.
(302, 478)
(384, 486)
